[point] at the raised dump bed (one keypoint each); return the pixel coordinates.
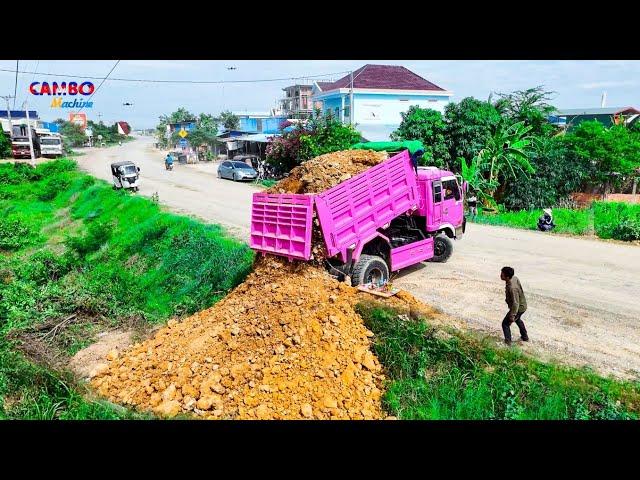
(350, 213)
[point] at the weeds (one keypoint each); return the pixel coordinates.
(460, 377)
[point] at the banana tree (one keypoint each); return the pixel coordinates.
(473, 174)
(505, 154)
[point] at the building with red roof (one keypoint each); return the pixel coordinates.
(380, 94)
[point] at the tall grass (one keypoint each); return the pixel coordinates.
(449, 375)
(576, 222)
(69, 244)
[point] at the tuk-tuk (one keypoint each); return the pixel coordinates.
(125, 175)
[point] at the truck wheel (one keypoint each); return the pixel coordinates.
(442, 248)
(370, 268)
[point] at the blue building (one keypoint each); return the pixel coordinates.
(259, 122)
(380, 94)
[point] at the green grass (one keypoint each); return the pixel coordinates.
(70, 245)
(576, 222)
(437, 374)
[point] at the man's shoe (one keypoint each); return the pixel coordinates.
(507, 343)
(524, 339)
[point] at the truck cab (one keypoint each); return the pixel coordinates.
(51, 145)
(441, 202)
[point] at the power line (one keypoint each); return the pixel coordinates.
(32, 78)
(142, 80)
(103, 80)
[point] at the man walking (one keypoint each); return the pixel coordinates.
(517, 305)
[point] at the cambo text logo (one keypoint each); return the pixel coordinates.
(63, 89)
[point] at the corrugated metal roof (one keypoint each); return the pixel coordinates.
(259, 137)
(595, 111)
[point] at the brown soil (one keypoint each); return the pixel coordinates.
(326, 171)
(90, 361)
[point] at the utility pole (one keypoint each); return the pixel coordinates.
(7, 97)
(33, 158)
(351, 100)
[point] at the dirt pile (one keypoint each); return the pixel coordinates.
(285, 344)
(326, 171)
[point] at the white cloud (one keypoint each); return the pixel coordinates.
(608, 84)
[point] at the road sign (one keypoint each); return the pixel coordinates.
(183, 133)
(183, 143)
(99, 137)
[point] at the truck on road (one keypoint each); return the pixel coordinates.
(387, 218)
(20, 147)
(51, 145)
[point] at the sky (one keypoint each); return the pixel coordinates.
(577, 84)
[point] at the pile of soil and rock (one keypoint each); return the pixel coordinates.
(326, 171)
(285, 344)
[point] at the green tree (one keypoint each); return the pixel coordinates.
(469, 124)
(614, 152)
(505, 156)
(530, 107)
(429, 127)
(72, 135)
(5, 145)
(322, 134)
(559, 172)
(229, 120)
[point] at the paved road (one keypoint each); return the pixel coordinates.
(583, 294)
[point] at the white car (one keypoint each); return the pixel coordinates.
(125, 175)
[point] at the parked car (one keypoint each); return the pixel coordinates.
(251, 160)
(236, 171)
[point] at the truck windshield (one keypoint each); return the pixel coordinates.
(50, 141)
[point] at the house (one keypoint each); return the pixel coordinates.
(259, 122)
(297, 101)
(18, 117)
(572, 117)
(380, 94)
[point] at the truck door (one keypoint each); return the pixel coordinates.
(452, 203)
(436, 188)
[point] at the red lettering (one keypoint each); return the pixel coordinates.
(45, 90)
(88, 86)
(33, 88)
(72, 88)
(59, 89)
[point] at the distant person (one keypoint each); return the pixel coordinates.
(545, 222)
(472, 202)
(514, 296)
(169, 159)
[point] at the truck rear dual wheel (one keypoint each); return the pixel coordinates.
(442, 249)
(370, 269)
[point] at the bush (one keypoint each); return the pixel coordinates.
(52, 186)
(44, 266)
(97, 235)
(14, 233)
(617, 220)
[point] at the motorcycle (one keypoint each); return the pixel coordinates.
(168, 166)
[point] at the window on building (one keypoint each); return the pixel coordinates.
(259, 124)
(347, 111)
(451, 190)
(337, 112)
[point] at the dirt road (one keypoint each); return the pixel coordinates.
(583, 294)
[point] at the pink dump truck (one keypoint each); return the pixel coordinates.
(385, 219)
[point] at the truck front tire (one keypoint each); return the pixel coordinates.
(370, 268)
(442, 249)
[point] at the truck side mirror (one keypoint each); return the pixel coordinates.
(465, 186)
(138, 169)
